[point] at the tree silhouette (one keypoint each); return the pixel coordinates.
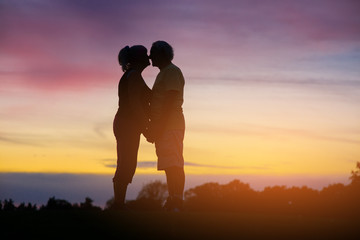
(335, 200)
(156, 190)
(9, 205)
(238, 196)
(355, 175)
(354, 191)
(88, 205)
(150, 197)
(204, 197)
(26, 208)
(109, 203)
(57, 204)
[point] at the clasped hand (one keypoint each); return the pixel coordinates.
(150, 134)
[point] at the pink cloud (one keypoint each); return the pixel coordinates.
(66, 44)
(321, 22)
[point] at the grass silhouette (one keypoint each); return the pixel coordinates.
(163, 225)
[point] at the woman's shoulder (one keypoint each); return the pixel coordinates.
(133, 74)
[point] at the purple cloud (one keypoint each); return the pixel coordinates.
(73, 44)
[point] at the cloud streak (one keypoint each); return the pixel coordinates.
(276, 132)
(110, 163)
(22, 139)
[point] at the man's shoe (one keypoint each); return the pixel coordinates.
(119, 208)
(173, 204)
(178, 204)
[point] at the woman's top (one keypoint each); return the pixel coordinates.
(134, 97)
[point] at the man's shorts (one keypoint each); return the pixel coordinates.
(169, 149)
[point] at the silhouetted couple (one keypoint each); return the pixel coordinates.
(156, 113)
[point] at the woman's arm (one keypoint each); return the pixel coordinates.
(136, 89)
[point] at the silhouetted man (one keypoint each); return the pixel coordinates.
(167, 126)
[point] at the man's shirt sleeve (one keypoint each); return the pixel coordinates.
(173, 80)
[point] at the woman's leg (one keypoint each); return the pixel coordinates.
(127, 149)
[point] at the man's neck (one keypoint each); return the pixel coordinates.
(164, 65)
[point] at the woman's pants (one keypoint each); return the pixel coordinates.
(127, 146)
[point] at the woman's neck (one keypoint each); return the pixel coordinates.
(139, 68)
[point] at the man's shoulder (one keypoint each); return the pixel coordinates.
(173, 71)
(173, 68)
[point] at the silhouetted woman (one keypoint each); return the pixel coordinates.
(131, 118)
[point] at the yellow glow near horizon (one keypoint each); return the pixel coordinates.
(249, 133)
(228, 142)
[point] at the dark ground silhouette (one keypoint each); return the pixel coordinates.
(212, 211)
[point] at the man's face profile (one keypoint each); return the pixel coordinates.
(154, 56)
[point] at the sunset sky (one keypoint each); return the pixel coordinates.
(272, 87)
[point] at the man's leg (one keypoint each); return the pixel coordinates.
(169, 150)
(175, 177)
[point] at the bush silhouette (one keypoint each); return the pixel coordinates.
(26, 208)
(336, 200)
(9, 205)
(57, 204)
(88, 205)
(150, 197)
(155, 190)
(355, 175)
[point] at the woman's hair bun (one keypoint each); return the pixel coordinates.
(124, 57)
